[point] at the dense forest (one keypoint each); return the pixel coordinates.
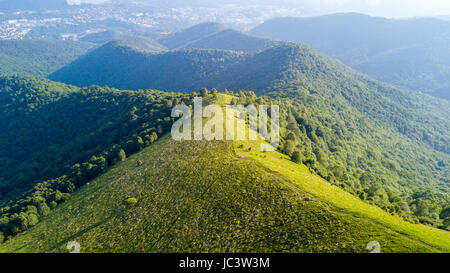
(38, 57)
(125, 65)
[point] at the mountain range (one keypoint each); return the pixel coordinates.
(409, 53)
(87, 154)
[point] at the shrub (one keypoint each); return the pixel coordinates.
(131, 201)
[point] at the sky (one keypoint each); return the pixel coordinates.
(388, 8)
(384, 8)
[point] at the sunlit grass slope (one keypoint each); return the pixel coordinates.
(198, 196)
(301, 177)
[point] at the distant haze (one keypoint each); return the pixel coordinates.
(384, 8)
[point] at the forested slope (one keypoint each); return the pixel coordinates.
(38, 57)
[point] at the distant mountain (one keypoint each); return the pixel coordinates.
(136, 43)
(410, 53)
(231, 40)
(33, 4)
(38, 57)
(184, 37)
(122, 65)
(215, 36)
(100, 37)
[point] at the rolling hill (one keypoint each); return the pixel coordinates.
(176, 197)
(101, 37)
(186, 36)
(213, 36)
(125, 67)
(342, 117)
(38, 57)
(410, 53)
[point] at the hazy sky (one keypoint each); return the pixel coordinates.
(390, 8)
(386, 8)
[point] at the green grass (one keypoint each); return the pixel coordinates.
(301, 177)
(199, 196)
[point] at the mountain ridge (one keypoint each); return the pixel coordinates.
(113, 229)
(361, 42)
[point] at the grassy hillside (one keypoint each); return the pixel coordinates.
(38, 57)
(187, 202)
(345, 202)
(383, 144)
(409, 53)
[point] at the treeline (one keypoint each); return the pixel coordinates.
(104, 127)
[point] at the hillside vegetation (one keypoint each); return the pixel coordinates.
(186, 201)
(125, 67)
(54, 138)
(385, 145)
(410, 53)
(38, 57)
(170, 197)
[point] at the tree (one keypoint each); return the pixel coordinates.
(139, 144)
(289, 147)
(121, 156)
(43, 209)
(153, 137)
(2, 237)
(297, 156)
(446, 224)
(204, 92)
